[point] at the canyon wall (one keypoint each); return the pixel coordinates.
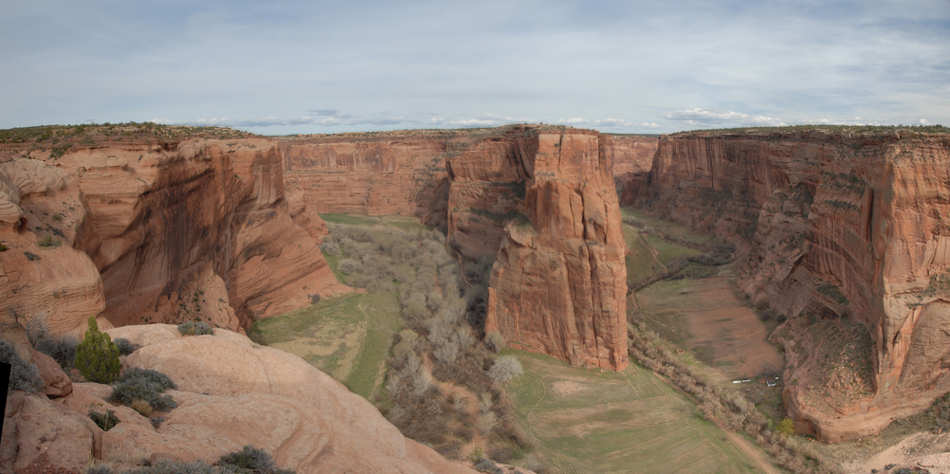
(562, 290)
(153, 231)
(846, 234)
(558, 284)
(632, 158)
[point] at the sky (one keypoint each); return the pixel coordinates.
(276, 68)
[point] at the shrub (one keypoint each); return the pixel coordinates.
(786, 427)
(504, 369)
(330, 247)
(23, 375)
(157, 421)
(151, 376)
(104, 421)
(348, 266)
(195, 328)
(100, 469)
(143, 407)
(48, 241)
(125, 346)
(494, 341)
(251, 459)
(63, 351)
(146, 385)
(489, 466)
(97, 357)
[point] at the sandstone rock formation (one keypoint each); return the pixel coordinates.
(632, 158)
(558, 285)
(231, 393)
(154, 231)
(391, 173)
(562, 291)
(846, 233)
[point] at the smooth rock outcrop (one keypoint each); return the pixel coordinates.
(831, 224)
(231, 393)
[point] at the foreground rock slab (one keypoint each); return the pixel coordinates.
(231, 393)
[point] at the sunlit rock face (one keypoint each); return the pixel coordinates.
(152, 232)
(831, 226)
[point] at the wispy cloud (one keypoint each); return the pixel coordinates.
(705, 117)
(313, 66)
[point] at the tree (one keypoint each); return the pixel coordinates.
(786, 427)
(97, 357)
(504, 369)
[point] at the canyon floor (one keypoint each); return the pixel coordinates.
(592, 421)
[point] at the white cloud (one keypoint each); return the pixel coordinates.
(701, 116)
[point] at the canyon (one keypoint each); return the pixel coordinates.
(844, 232)
(539, 201)
(841, 231)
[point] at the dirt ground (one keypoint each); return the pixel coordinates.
(704, 316)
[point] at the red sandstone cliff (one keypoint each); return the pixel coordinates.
(558, 285)
(146, 230)
(846, 233)
(479, 182)
(632, 158)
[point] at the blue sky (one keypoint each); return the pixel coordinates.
(301, 67)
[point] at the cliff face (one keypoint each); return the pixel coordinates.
(153, 232)
(400, 173)
(848, 236)
(562, 290)
(558, 284)
(632, 158)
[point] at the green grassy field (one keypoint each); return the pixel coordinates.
(402, 222)
(593, 421)
(660, 227)
(347, 337)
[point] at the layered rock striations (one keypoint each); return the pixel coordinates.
(151, 231)
(558, 284)
(557, 289)
(845, 232)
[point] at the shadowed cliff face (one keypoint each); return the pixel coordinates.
(632, 158)
(197, 229)
(846, 235)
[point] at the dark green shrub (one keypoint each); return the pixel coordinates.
(251, 459)
(126, 347)
(144, 384)
(489, 466)
(194, 328)
(157, 421)
(99, 470)
(23, 376)
(97, 357)
(151, 376)
(48, 241)
(106, 421)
